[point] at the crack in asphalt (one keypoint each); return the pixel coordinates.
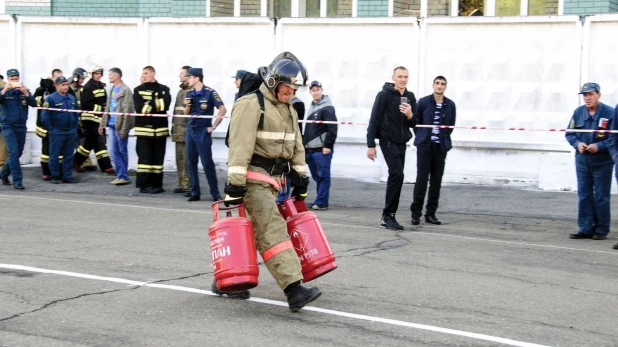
(377, 247)
(51, 303)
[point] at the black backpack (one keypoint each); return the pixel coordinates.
(250, 83)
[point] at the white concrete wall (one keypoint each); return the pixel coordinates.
(502, 72)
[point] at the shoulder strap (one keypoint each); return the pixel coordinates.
(260, 98)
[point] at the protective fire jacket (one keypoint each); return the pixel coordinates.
(46, 88)
(179, 124)
(151, 98)
(279, 138)
(93, 98)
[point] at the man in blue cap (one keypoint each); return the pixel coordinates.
(62, 129)
(201, 100)
(14, 101)
(593, 162)
(237, 78)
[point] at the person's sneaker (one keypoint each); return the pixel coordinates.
(90, 168)
(46, 177)
(187, 194)
(78, 168)
(415, 221)
(616, 246)
(299, 296)
(157, 190)
(114, 182)
(69, 180)
(317, 207)
(6, 181)
(55, 180)
(110, 171)
(243, 294)
(389, 222)
(18, 187)
(194, 198)
(217, 198)
(145, 190)
(178, 190)
(122, 182)
(599, 237)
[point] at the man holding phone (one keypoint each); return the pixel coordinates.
(14, 101)
(391, 120)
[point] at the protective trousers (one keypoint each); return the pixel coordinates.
(182, 166)
(150, 157)
(15, 139)
(271, 236)
(429, 167)
(93, 141)
(45, 156)
(594, 183)
(61, 146)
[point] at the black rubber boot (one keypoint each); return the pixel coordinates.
(299, 296)
(243, 294)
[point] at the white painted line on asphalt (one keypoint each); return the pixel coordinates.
(323, 223)
(461, 333)
(483, 239)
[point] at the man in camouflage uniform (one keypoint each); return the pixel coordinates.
(263, 148)
(179, 127)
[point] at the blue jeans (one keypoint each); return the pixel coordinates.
(319, 165)
(120, 153)
(15, 139)
(285, 192)
(61, 145)
(199, 143)
(594, 182)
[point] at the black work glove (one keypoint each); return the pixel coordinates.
(234, 195)
(300, 184)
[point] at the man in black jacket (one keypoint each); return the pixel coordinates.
(151, 97)
(391, 120)
(319, 140)
(432, 144)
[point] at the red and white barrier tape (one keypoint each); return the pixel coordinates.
(342, 123)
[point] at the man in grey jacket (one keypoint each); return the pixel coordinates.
(121, 101)
(319, 140)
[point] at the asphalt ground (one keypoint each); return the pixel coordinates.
(91, 264)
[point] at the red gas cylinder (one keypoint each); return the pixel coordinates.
(315, 255)
(234, 256)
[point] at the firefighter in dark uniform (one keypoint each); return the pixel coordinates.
(264, 147)
(76, 88)
(593, 163)
(202, 100)
(93, 98)
(46, 88)
(151, 97)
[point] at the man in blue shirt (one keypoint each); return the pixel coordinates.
(14, 101)
(62, 129)
(593, 162)
(202, 101)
